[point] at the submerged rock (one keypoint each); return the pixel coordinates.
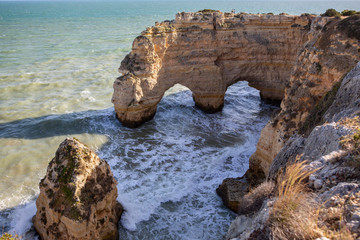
(77, 196)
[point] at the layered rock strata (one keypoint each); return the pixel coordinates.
(207, 52)
(332, 153)
(333, 49)
(77, 196)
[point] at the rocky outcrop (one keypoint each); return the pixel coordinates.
(330, 53)
(332, 153)
(250, 227)
(77, 196)
(231, 191)
(207, 52)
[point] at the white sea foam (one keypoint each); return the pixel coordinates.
(21, 221)
(169, 168)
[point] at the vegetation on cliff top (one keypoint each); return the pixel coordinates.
(333, 13)
(208, 11)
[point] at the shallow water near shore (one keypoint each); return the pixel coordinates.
(58, 61)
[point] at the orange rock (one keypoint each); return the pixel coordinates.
(207, 52)
(77, 196)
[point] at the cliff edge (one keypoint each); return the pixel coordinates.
(323, 61)
(207, 52)
(317, 175)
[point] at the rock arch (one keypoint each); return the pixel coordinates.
(207, 52)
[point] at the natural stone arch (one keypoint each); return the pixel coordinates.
(207, 52)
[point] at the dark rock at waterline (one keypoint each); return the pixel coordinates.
(231, 191)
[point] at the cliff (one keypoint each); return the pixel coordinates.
(77, 196)
(300, 60)
(207, 52)
(316, 133)
(322, 197)
(323, 61)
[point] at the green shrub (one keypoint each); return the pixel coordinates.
(347, 12)
(331, 13)
(208, 11)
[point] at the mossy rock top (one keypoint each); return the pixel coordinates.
(80, 178)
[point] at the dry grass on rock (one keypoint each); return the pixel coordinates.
(296, 214)
(293, 215)
(253, 201)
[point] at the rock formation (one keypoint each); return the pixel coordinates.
(207, 52)
(332, 152)
(324, 60)
(77, 196)
(301, 60)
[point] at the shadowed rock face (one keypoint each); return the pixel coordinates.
(77, 196)
(330, 152)
(331, 52)
(207, 52)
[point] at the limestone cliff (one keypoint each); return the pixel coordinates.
(77, 196)
(207, 52)
(329, 54)
(332, 154)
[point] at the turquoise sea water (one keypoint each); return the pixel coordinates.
(58, 61)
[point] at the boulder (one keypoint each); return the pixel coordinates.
(231, 191)
(77, 196)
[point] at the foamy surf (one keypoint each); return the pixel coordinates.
(168, 169)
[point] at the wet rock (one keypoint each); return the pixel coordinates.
(231, 191)
(77, 196)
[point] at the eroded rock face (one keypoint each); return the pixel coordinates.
(333, 49)
(77, 196)
(207, 52)
(332, 149)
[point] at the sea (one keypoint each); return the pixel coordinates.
(58, 62)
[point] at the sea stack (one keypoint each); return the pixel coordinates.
(77, 196)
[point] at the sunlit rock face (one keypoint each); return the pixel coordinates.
(77, 196)
(207, 52)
